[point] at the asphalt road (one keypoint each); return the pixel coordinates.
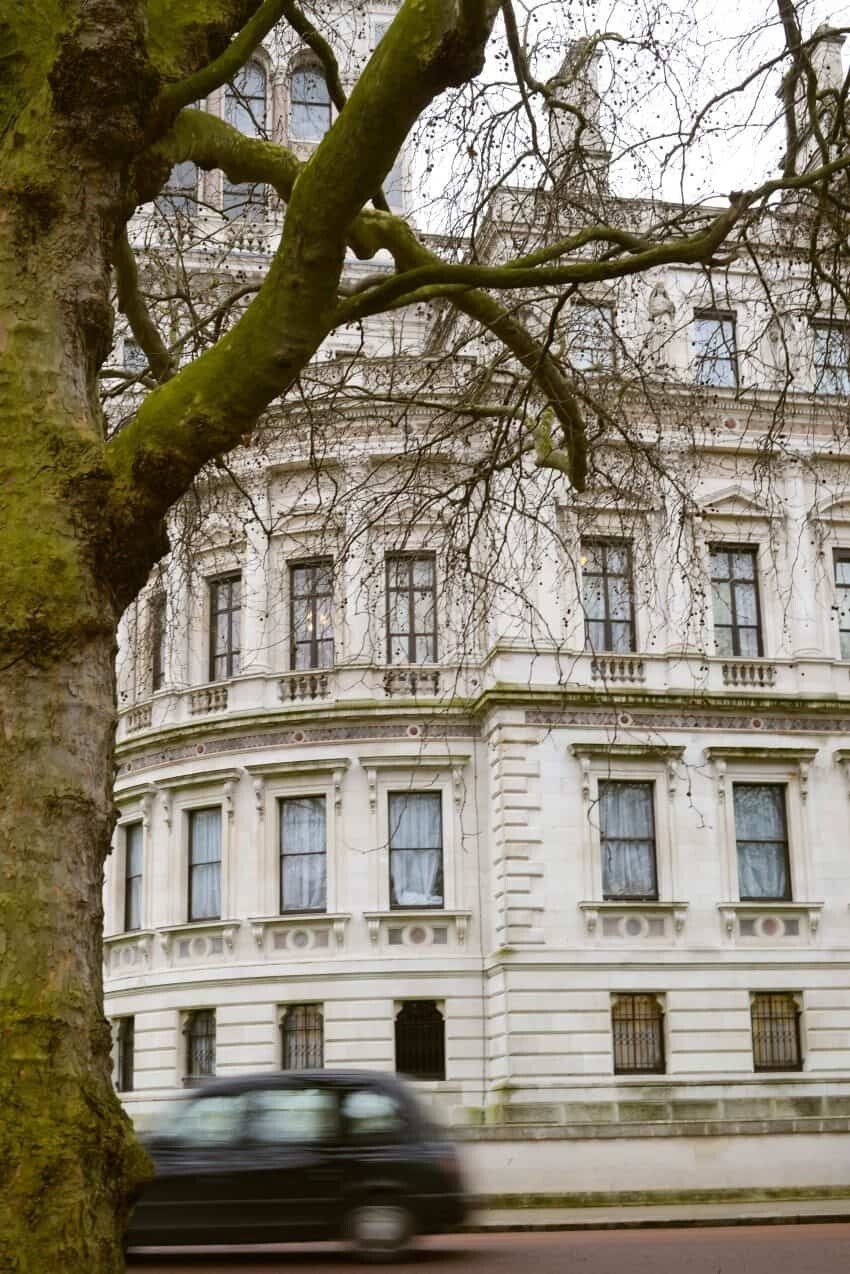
(770, 1249)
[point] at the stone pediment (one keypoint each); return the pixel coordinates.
(837, 510)
(735, 503)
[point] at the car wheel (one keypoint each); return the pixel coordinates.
(379, 1229)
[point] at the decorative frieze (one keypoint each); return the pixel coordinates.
(767, 922)
(306, 933)
(417, 928)
(634, 921)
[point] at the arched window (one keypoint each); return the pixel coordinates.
(245, 109)
(638, 1025)
(420, 1040)
(200, 1044)
(309, 104)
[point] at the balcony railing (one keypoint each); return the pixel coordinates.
(414, 683)
(296, 687)
(617, 668)
(209, 699)
(749, 674)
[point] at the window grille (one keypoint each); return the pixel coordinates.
(761, 835)
(831, 357)
(134, 840)
(735, 600)
(591, 337)
(637, 1023)
(200, 1044)
(841, 561)
(411, 610)
(309, 104)
(776, 1032)
(606, 595)
(627, 840)
(245, 109)
(303, 856)
(205, 864)
(225, 622)
(126, 1040)
(416, 849)
(302, 1038)
(157, 640)
(716, 351)
(311, 611)
(420, 1040)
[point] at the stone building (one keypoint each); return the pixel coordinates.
(567, 845)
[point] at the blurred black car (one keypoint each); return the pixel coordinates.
(298, 1156)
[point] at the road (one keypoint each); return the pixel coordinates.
(770, 1249)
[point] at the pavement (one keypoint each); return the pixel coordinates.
(644, 1216)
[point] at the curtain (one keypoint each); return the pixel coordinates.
(205, 864)
(416, 849)
(303, 873)
(627, 835)
(761, 840)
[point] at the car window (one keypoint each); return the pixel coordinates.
(209, 1121)
(368, 1113)
(293, 1114)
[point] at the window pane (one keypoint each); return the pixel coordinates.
(205, 836)
(625, 809)
(420, 1048)
(638, 1035)
(759, 811)
(776, 1032)
(415, 820)
(281, 1115)
(209, 1121)
(369, 1114)
(416, 878)
(762, 843)
(309, 122)
(302, 1038)
(302, 826)
(627, 840)
(744, 564)
(303, 882)
(205, 864)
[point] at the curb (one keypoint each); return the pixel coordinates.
(659, 1223)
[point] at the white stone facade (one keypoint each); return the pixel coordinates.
(515, 725)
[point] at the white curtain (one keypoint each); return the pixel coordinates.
(627, 833)
(205, 865)
(762, 840)
(303, 875)
(416, 849)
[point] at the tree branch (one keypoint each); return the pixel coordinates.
(131, 303)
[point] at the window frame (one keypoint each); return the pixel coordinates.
(407, 792)
(192, 1016)
(133, 826)
(125, 1054)
(285, 1013)
(794, 999)
(630, 782)
(191, 867)
(841, 553)
(157, 628)
(412, 635)
(719, 316)
(587, 306)
(300, 68)
(605, 542)
(252, 206)
(438, 1074)
(311, 563)
(619, 998)
(788, 896)
(730, 548)
(831, 371)
(281, 800)
(232, 655)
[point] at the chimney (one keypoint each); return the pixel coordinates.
(578, 156)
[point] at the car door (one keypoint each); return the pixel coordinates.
(200, 1157)
(294, 1146)
(376, 1128)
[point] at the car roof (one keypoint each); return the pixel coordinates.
(324, 1078)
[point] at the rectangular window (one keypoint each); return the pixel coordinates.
(180, 192)
(225, 622)
(302, 1038)
(134, 841)
(311, 610)
(157, 641)
(416, 849)
(205, 864)
(762, 842)
(411, 610)
(591, 338)
(200, 1044)
(606, 596)
(841, 560)
(637, 1023)
(831, 357)
(716, 352)
(627, 840)
(735, 600)
(303, 857)
(776, 1032)
(420, 1040)
(126, 1043)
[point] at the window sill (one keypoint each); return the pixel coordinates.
(406, 921)
(300, 931)
(127, 950)
(191, 928)
(766, 920)
(632, 918)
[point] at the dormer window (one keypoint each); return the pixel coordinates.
(309, 104)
